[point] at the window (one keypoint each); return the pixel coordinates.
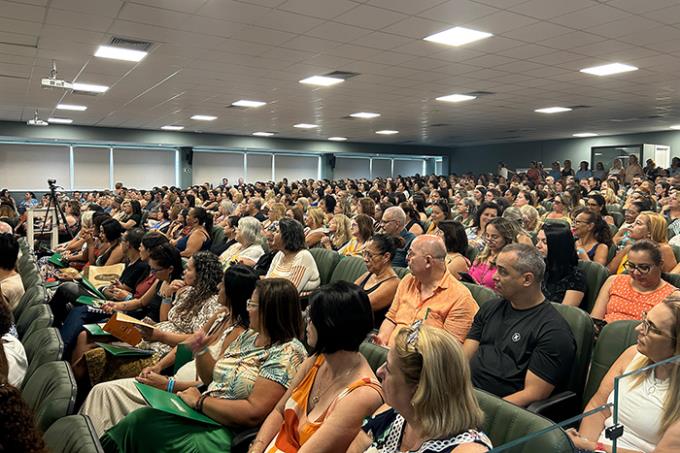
(91, 168)
(212, 166)
(144, 168)
(28, 167)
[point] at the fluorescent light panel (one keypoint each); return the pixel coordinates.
(337, 139)
(74, 107)
(321, 81)
(247, 103)
(386, 132)
(305, 126)
(365, 115)
(119, 53)
(89, 87)
(172, 127)
(204, 118)
(553, 110)
(457, 36)
(676, 127)
(585, 134)
(263, 134)
(60, 120)
(609, 69)
(456, 98)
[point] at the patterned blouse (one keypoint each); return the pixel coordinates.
(243, 362)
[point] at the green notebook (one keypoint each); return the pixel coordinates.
(183, 355)
(57, 260)
(93, 289)
(92, 301)
(96, 329)
(171, 403)
(124, 351)
(52, 284)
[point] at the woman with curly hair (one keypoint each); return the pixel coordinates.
(17, 427)
(195, 302)
(498, 233)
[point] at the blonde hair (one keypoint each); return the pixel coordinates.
(508, 229)
(277, 211)
(529, 218)
(317, 216)
(343, 231)
(671, 405)
(657, 226)
(86, 219)
(444, 402)
(609, 196)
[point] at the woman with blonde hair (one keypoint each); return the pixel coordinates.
(498, 233)
(316, 228)
(361, 228)
(340, 229)
(277, 211)
(430, 403)
(648, 403)
(529, 218)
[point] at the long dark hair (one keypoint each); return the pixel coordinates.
(239, 284)
(562, 257)
(601, 231)
(483, 207)
(204, 219)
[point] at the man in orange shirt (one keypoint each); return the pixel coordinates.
(430, 290)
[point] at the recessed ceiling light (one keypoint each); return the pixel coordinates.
(171, 127)
(119, 53)
(609, 69)
(321, 81)
(89, 87)
(263, 134)
(553, 110)
(386, 132)
(204, 118)
(77, 108)
(337, 139)
(676, 127)
(457, 36)
(60, 120)
(365, 115)
(247, 103)
(456, 98)
(305, 126)
(585, 134)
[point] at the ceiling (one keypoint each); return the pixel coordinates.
(207, 54)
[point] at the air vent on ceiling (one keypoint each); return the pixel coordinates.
(479, 93)
(341, 74)
(525, 130)
(576, 107)
(508, 137)
(131, 44)
(439, 125)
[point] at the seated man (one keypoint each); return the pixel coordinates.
(11, 286)
(520, 348)
(393, 223)
(430, 292)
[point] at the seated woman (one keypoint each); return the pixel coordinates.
(597, 204)
(110, 250)
(251, 373)
(334, 389)
(622, 237)
(277, 211)
(593, 237)
(563, 281)
(529, 219)
(362, 230)
(340, 229)
(198, 236)
(499, 233)
(627, 296)
(455, 239)
(561, 205)
(414, 224)
(248, 247)
(109, 402)
(475, 234)
(648, 404)
(195, 303)
(316, 229)
(440, 212)
(648, 225)
(430, 405)
(466, 208)
(293, 261)
(380, 282)
(178, 227)
(159, 219)
(132, 217)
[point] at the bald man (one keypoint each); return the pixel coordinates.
(430, 292)
(6, 228)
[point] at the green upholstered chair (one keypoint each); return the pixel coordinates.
(471, 253)
(558, 222)
(375, 355)
(618, 218)
(614, 208)
(676, 252)
(218, 238)
(33, 296)
(504, 422)
(349, 269)
(611, 253)
(401, 271)
(34, 318)
(326, 260)
(612, 341)
(51, 393)
(673, 279)
(595, 274)
(481, 293)
(31, 277)
(43, 346)
(614, 229)
(73, 434)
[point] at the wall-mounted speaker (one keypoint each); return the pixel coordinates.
(187, 154)
(330, 159)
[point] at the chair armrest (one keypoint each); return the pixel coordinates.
(557, 407)
(241, 440)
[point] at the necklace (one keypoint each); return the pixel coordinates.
(315, 399)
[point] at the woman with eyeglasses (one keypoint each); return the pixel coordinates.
(362, 230)
(335, 388)
(430, 404)
(380, 282)
(626, 296)
(499, 232)
(593, 237)
(246, 378)
(648, 404)
(596, 203)
(561, 206)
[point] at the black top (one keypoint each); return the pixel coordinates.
(378, 316)
(513, 341)
(259, 216)
(399, 259)
(413, 222)
(555, 291)
(134, 273)
(137, 218)
(263, 264)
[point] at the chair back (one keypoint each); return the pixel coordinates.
(34, 318)
(349, 269)
(595, 274)
(582, 328)
(73, 434)
(480, 293)
(42, 347)
(51, 393)
(326, 260)
(375, 355)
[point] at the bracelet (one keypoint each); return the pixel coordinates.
(171, 385)
(167, 301)
(199, 403)
(201, 352)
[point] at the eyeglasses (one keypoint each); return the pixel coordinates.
(252, 305)
(581, 222)
(155, 271)
(641, 268)
(369, 255)
(648, 327)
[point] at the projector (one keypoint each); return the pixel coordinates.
(54, 83)
(37, 122)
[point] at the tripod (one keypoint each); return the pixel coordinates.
(54, 203)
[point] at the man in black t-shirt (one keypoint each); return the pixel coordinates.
(520, 348)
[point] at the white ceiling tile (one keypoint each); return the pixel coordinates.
(20, 11)
(310, 44)
(500, 22)
(488, 61)
(337, 32)
(73, 19)
(263, 35)
(537, 32)
(289, 22)
(380, 40)
(416, 27)
(324, 10)
(233, 11)
(352, 51)
(107, 8)
(370, 17)
(182, 6)
(547, 9)
(568, 41)
(391, 58)
(625, 26)
(527, 51)
(405, 6)
(637, 7)
(590, 17)
(457, 12)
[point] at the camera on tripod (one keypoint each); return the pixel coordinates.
(52, 183)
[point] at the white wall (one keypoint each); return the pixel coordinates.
(213, 166)
(28, 167)
(352, 167)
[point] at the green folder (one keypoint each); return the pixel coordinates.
(96, 329)
(57, 260)
(124, 351)
(52, 284)
(93, 289)
(92, 301)
(182, 355)
(171, 403)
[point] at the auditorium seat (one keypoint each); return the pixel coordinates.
(34, 318)
(42, 347)
(618, 218)
(326, 260)
(595, 274)
(51, 393)
(73, 434)
(401, 272)
(349, 269)
(375, 354)
(481, 293)
(34, 295)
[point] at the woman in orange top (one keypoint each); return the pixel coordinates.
(335, 389)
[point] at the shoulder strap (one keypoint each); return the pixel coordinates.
(363, 382)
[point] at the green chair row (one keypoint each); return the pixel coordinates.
(51, 393)
(334, 267)
(73, 434)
